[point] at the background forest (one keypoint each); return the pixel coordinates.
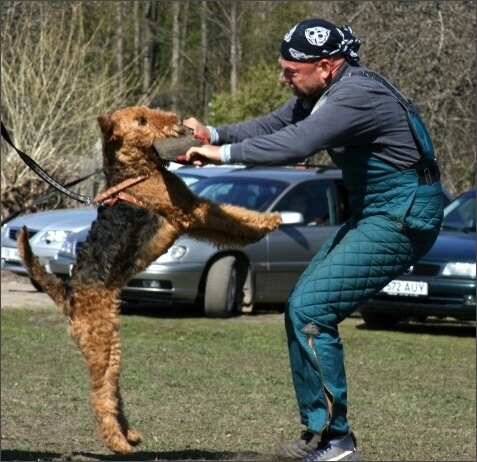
(65, 63)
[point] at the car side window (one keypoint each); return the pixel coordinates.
(316, 201)
(255, 195)
(461, 213)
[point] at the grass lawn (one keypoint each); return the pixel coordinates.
(203, 389)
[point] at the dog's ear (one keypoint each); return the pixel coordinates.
(106, 125)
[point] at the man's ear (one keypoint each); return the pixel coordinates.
(325, 65)
(330, 66)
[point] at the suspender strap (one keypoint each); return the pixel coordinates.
(406, 104)
(416, 124)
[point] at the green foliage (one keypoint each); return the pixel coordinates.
(260, 91)
(64, 63)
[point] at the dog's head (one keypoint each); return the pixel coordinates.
(138, 140)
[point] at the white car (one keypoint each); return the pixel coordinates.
(47, 230)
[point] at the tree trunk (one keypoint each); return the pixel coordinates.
(176, 7)
(203, 82)
(137, 42)
(120, 47)
(233, 49)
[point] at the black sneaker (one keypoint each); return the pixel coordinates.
(300, 448)
(336, 449)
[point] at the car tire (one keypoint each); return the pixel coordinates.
(36, 285)
(222, 288)
(376, 320)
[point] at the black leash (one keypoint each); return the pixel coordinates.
(42, 174)
(46, 196)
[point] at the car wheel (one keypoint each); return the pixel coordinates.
(36, 285)
(221, 288)
(376, 320)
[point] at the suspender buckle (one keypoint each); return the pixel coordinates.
(428, 176)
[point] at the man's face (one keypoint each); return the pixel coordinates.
(306, 80)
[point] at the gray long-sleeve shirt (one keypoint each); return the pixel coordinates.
(354, 113)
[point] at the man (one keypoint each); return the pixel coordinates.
(395, 196)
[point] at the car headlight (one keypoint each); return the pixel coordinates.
(176, 252)
(55, 236)
(67, 248)
(459, 269)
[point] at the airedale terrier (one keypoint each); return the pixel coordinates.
(145, 209)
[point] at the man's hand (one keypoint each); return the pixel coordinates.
(204, 155)
(200, 130)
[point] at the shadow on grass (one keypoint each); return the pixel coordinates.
(165, 310)
(185, 455)
(432, 326)
(179, 311)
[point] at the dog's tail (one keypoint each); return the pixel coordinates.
(51, 285)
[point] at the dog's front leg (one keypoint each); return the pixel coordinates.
(94, 325)
(225, 224)
(158, 245)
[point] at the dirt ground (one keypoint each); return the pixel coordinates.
(18, 292)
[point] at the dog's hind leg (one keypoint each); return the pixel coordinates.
(94, 326)
(51, 285)
(132, 435)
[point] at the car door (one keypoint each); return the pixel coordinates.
(290, 248)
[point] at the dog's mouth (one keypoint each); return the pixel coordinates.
(173, 149)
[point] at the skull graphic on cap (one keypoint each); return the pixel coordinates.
(317, 35)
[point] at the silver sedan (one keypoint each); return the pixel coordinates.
(313, 203)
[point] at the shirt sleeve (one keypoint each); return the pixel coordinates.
(344, 116)
(290, 112)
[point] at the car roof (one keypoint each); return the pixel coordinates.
(207, 171)
(289, 174)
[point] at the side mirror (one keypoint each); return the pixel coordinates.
(292, 218)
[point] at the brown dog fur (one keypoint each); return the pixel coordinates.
(124, 240)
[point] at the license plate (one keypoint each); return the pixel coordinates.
(413, 288)
(10, 254)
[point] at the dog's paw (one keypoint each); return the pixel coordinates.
(133, 437)
(273, 220)
(119, 445)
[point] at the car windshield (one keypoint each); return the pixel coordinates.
(460, 214)
(189, 179)
(252, 193)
